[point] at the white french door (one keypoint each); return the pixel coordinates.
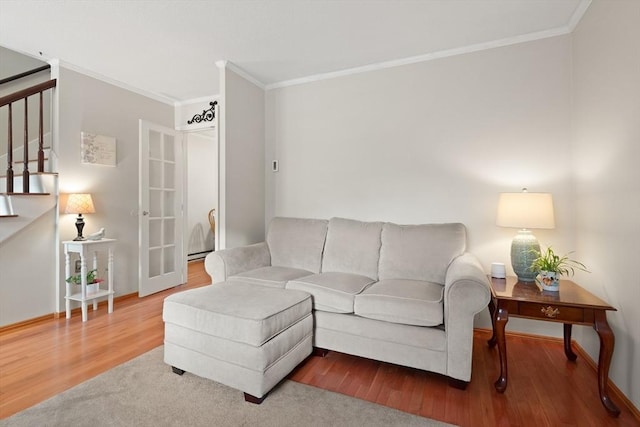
(161, 224)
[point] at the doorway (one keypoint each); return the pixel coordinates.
(201, 192)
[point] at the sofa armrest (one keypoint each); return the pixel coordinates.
(466, 285)
(228, 262)
(466, 293)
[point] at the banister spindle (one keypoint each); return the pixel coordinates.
(41, 139)
(8, 100)
(10, 152)
(25, 170)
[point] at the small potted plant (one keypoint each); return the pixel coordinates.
(93, 283)
(550, 267)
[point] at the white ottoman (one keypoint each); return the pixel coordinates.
(245, 336)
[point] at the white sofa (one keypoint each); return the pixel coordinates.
(404, 294)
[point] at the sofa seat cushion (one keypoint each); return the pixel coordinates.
(410, 302)
(237, 311)
(377, 331)
(275, 277)
(332, 291)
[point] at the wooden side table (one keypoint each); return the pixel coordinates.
(85, 248)
(572, 305)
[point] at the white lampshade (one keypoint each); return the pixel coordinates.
(525, 210)
(80, 203)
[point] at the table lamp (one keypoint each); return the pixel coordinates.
(79, 203)
(525, 211)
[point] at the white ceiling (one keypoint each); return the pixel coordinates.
(170, 47)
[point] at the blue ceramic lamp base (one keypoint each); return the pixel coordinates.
(524, 250)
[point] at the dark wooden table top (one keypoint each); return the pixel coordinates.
(570, 294)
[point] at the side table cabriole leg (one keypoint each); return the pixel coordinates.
(607, 341)
(502, 316)
(568, 351)
(492, 312)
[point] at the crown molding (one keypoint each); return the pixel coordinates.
(41, 57)
(567, 29)
(57, 63)
(239, 71)
(222, 64)
(160, 98)
(578, 14)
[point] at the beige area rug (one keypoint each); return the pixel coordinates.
(144, 392)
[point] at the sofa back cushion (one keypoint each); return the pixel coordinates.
(352, 247)
(420, 252)
(297, 242)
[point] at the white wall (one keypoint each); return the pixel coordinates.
(431, 142)
(27, 272)
(90, 105)
(12, 63)
(242, 159)
(202, 188)
(606, 153)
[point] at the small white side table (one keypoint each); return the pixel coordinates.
(85, 248)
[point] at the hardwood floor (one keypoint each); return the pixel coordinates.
(45, 358)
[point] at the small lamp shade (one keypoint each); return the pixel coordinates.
(524, 211)
(79, 203)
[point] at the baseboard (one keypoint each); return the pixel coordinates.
(26, 323)
(58, 315)
(615, 391)
(614, 388)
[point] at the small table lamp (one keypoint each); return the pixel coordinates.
(524, 211)
(79, 203)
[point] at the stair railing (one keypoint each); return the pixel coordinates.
(9, 100)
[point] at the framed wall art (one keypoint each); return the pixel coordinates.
(98, 149)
